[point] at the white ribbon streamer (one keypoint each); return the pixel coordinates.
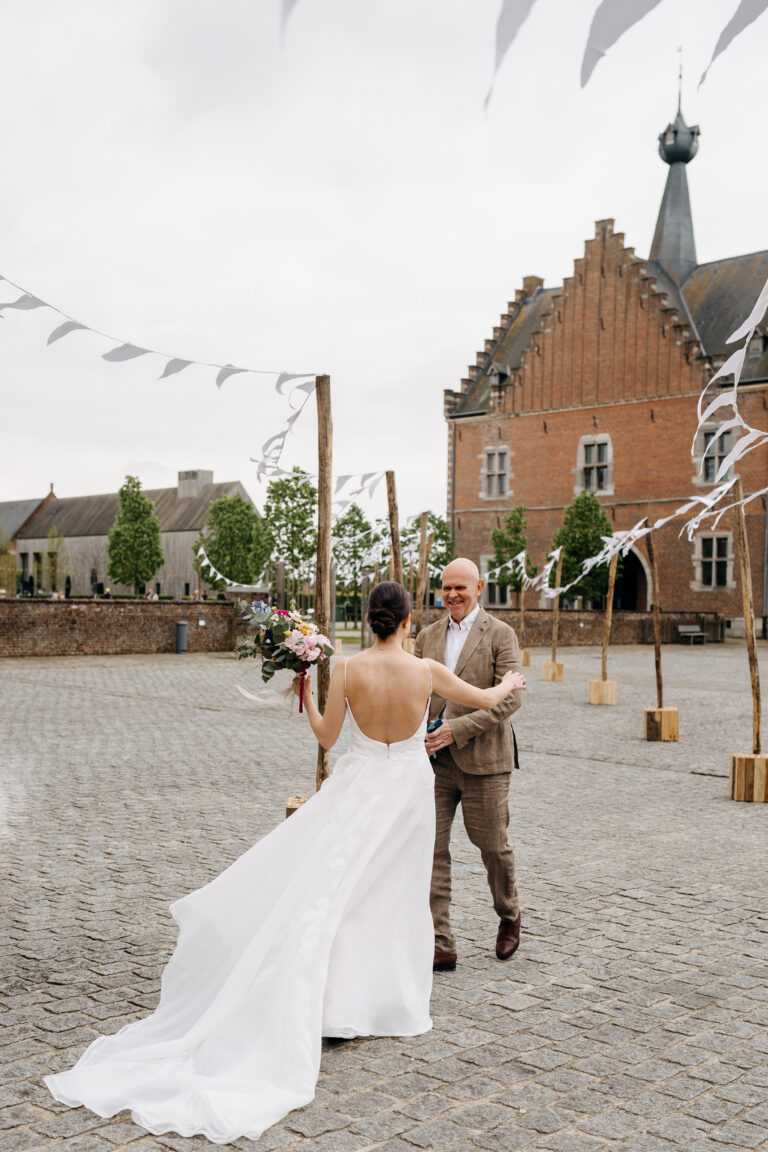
(609, 23)
(745, 14)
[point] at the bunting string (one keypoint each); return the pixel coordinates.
(123, 350)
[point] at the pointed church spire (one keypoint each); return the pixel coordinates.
(673, 244)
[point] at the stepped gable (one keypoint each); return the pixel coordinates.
(617, 329)
(503, 353)
(720, 295)
(95, 515)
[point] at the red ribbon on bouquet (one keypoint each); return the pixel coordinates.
(302, 677)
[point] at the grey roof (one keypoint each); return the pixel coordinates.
(673, 244)
(508, 352)
(15, 513)
(95, 515)
(720, 295)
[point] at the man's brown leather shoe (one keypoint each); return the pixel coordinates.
(508, 938)
(444, 961)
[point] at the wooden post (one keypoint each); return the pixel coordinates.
(660, 723)
(553, 670)
(422, 594)
(418, 607)
(656, 621)
(603, 691)
(748, 774)
(396, 561)
(280, 584)
(363, 612)
(525, 655)
(745, 571)
(323, 569)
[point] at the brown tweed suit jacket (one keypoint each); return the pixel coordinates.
(484, 744)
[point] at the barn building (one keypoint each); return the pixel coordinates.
(84, 522)
(594, 385)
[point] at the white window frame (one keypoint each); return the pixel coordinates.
(594, 441)
(492, 474)
(699, 560)
(711, 461)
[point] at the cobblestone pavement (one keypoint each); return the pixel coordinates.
(633, 1017)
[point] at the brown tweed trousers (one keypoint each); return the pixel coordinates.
(475, 770)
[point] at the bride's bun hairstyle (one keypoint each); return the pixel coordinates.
(388, 605)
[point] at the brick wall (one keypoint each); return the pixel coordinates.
(609, 359)
(576, 629)
(111, 627)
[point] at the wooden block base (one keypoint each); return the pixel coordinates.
(661, 724)
(294, 803)
(553, 670)
(525, 657)
(338, 648)
(749, 778)
(602, 692)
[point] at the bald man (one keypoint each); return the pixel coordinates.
(473, 753)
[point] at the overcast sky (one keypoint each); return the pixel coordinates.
(171, 174)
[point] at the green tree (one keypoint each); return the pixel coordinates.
(235, 539)
(289, 514)
(55, 560)
(509, 541)
(353, 538)
(133, 546)
(442, 546)
(9, 573)
(584, 525)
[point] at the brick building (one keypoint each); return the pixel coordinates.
(594, 385)
(85, 522)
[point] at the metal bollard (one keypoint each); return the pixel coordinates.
(181, 637)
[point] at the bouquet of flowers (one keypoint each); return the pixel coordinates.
(282, 639)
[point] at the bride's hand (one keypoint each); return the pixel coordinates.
(307, 685)
(514, 680)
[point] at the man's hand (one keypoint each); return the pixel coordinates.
(440, 738)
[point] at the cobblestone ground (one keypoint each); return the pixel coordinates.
(633, 1016)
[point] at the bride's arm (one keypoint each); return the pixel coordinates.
(450, 687)
(327, 726)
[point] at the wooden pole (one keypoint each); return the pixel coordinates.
(423, 590)
(656, 619)
(418, 613)
(396, 561)
(556, 608)
(323, 569)
(745, 570)
(609, 612)
(521, 595)
(364, 612)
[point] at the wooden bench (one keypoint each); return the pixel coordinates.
(690, 634)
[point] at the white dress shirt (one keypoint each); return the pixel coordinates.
(456, 637)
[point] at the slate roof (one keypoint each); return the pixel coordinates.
(95, 515)
(720, 295)
(508, 353)
(15, 513)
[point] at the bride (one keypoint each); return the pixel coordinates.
(323, 928)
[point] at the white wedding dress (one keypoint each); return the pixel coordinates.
(322, 928)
